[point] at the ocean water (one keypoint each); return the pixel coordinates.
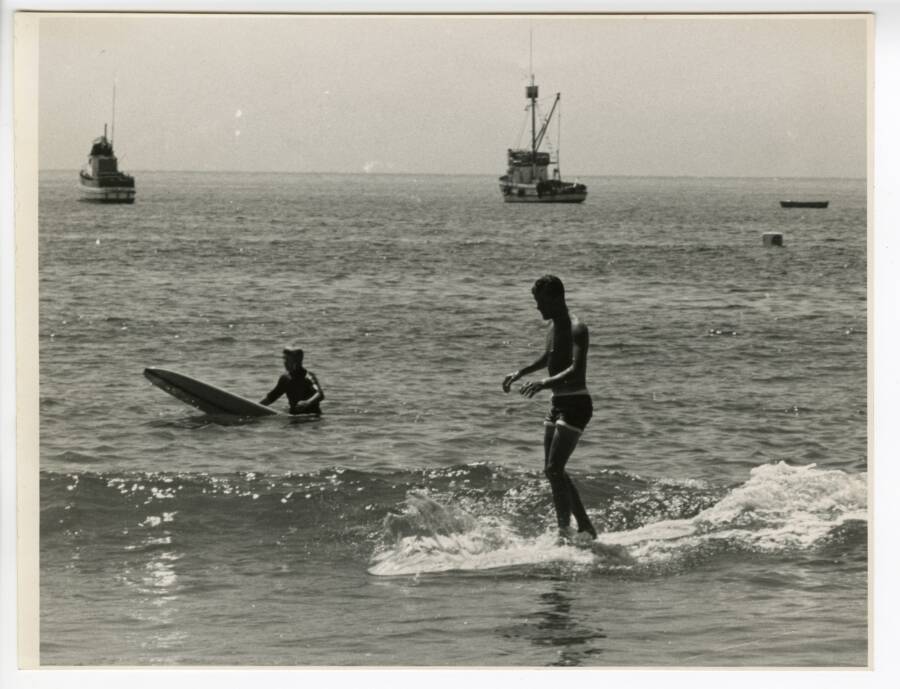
(726, 463)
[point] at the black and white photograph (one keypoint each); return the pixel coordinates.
(458, 340)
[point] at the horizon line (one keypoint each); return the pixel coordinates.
(467, 174)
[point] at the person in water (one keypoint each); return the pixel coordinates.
(301, 387)
(571, 408)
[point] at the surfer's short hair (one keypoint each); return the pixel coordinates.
(550, 285)
(294, 352)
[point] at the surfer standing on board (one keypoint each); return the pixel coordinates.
(570, 404)
(301, 387)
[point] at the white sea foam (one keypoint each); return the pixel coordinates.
(781, 507)
(431, 537)
(488, 546)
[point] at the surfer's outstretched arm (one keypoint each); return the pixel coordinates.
(275, 393)
(513, 377)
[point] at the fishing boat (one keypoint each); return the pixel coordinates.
(101, 180)
(526, 179)
(804, 204)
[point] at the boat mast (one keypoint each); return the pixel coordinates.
(112, 132)
(531, 92)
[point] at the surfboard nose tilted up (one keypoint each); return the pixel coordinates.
(206, 397)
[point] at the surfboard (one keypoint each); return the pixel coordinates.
(206, 397)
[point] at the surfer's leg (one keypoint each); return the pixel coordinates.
(572, 415)
(560, 491)
(563, 443)
(549, 432)
(578, 511)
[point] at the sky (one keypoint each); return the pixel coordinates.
(758, 96)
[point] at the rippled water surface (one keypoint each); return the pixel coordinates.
(726, 460)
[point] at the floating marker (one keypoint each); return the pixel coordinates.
(772, 239)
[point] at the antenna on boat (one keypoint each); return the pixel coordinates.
(531, 53)
(112, 132)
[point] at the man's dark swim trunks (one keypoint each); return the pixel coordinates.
(571, 411)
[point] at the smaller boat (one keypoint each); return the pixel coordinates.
(804, 204)
(101, 180)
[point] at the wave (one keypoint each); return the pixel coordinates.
(469, 517)
(781, 508)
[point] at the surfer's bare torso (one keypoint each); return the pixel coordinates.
(567, 344)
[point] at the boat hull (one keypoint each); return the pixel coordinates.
(804, 204)
(528, 193)
(107, 194)
(118, 189)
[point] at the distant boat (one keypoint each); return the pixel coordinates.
(804, 204)
(101, 180)
(526, 179)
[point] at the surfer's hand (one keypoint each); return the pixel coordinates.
(531, 388)
(509, 380)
